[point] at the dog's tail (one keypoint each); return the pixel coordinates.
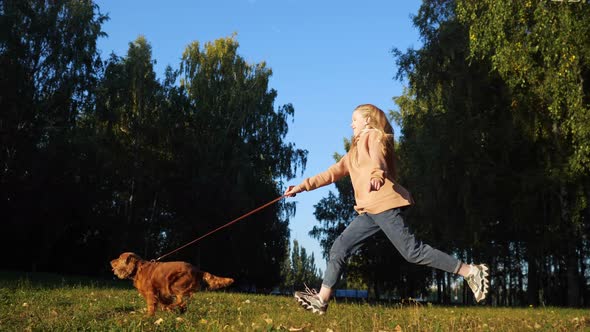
(215, 282)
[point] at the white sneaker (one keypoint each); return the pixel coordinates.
(477, 279)
(310, 300)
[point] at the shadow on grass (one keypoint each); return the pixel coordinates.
(15, 279)
(124, 309)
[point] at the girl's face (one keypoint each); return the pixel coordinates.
(358, 123)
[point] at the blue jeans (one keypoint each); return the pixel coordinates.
(391, 222)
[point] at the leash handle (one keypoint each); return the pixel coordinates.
(221, 227)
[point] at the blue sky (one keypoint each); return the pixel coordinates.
(327, 57)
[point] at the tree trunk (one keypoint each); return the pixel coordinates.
(521, 296)
(571, 264)
(447, 289)
(439, 286)
(532, 291)
(573, 285)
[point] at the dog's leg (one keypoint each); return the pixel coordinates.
(180, 303)
(167, 303)
(171, 302)
(152, 303)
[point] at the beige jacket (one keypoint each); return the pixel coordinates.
(369, 164)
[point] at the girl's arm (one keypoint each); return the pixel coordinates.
(378, 164)
(333, 174)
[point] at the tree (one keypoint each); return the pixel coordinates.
(49, 66)
(510, 179)
(299, 269)
(130, 127)
(183, 160)
(542, 51)
(111, 159)
(455, 147)
(235, 157)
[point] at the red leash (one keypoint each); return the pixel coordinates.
(219, 228)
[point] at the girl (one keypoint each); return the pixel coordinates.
(379, 202)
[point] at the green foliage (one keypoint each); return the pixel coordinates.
(102, 157)
(299, 269)
(49, 67)
(541, 50)
(237, 139)
(73, 305)
(219, 142)
(493, 167)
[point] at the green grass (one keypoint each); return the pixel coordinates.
(52, 303)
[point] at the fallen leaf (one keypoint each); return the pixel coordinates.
(398, 328)
(293, 329)
(159, 321)
(268, 321)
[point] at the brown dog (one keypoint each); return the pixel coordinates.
(165, 283)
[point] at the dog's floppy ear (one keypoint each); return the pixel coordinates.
(128, 258)
(131, 257)
(131, 264)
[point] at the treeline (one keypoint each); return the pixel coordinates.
(495, 147)
(99, 156)
(299, 270)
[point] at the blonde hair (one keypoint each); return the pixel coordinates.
(376, 119)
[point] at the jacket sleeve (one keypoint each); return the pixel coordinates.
(378, 164)
(333, 174)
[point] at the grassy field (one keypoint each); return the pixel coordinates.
(51, 303)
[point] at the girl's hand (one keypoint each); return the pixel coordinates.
(374, 184)
(292, 191)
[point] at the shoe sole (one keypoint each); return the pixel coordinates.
(484, 292)
(307, 306)
(313, 309)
